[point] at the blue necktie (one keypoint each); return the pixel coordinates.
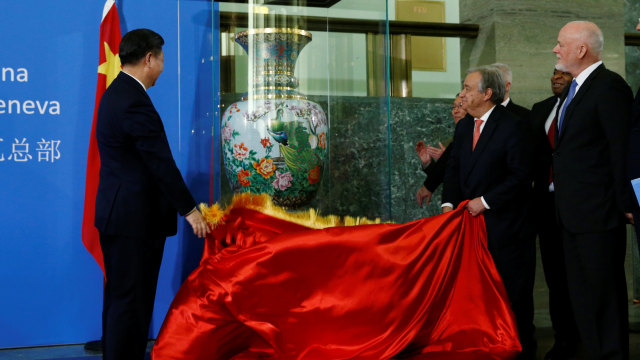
(572, 91)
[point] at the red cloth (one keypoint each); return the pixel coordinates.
(109, 37)
(425, 289)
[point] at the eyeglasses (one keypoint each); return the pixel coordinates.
(458, 106)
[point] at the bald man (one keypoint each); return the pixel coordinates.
(591, 189)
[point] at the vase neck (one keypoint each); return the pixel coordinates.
(273, 55)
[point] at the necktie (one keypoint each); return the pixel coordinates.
(551, 134)
(476, 133)
(572, 91)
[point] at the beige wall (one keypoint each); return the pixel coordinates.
(522, 33)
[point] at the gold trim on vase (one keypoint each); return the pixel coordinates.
(273, 97)
(271, 72)
(274, 31)
(284, 88)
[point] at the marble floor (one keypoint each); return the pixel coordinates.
(544, 332)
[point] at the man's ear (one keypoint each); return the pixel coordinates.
(147, 58)
(488, 93)
(582, 51)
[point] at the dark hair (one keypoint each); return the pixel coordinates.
(137, 43)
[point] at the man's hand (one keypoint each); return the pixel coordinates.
(423, 193)
(446, 209)
(200, 227)
(629, 217)
(475, 207)
(423, 154)
(435, 152)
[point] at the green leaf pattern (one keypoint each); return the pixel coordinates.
(305, 126)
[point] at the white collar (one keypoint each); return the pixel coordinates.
(140, 82)
(586, 72)
(486, 115)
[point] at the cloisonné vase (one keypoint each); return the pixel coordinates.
(274, 140)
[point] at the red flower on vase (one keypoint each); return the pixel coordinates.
(242, 177)
(322, 140)
(314, 175)
(265, 142)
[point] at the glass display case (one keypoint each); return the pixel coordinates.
(307, 111)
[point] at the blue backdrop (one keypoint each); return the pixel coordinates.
(52, 288)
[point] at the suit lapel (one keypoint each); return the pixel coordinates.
(577, 98)
(484, 139)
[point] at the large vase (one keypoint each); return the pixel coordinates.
(274, 140)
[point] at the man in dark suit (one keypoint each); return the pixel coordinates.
(528, 234)
(507, 75)
(591, 189)
(489, 165)
(139, 194)
(543, 123)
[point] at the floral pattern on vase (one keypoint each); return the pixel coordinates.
(274, 140)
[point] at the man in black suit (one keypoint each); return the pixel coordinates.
(528, 234)
(489, 165)
(507, 75)
(591, 189)
(543, 123)
(140, 192)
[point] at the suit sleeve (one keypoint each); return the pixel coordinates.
(614, 114)
(451, 191)
(145, 127)
(435, 172)
(633, 168)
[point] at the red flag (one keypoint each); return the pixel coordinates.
(108, 69)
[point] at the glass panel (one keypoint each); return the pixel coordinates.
(317, 136)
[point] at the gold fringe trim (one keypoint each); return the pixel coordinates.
(214, 215)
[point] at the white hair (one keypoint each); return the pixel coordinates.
(592, 36)
(505, 70)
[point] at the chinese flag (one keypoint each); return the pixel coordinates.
(108, 69)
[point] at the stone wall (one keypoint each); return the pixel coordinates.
(523, 33)
(632, 53)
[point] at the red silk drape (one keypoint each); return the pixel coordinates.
(425, 289)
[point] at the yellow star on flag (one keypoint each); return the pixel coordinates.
(111, 67)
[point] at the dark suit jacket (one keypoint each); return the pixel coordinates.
(634, 145)
(589, 160)
(436, 170)
(519, 111)
(497, 169)
(542, 148)
(140, 187)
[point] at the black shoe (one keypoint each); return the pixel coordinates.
(94, 346)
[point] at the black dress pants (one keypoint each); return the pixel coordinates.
(598, 291)
(516, 266)
(555, 272)
(131, 265)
